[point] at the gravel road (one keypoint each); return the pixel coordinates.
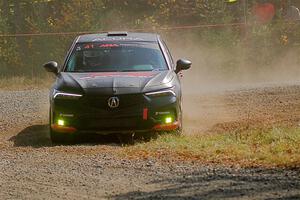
(31, 168)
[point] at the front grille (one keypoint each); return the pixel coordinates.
(126, 101)
(92, 113)
(129, 114)
(107, 124)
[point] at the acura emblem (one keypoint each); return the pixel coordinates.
(113, 102)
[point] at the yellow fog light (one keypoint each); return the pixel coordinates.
(168, 120)
(60, 122)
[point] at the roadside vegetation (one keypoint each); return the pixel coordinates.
(256, 45)
(275, 147)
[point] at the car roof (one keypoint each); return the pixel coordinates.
(118, 36)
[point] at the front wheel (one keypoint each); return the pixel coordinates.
(180, 128)
(61, 138)
(179, 131)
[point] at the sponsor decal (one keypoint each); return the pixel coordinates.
(88, 46)
(108, 45)
(92, 46)
(118, 39)
(145, 114)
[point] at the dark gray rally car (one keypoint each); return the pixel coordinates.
(116, 83)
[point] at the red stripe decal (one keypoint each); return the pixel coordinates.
(145, 114)
(166, 127)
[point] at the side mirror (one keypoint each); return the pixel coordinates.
(51, 67)
(183, 64)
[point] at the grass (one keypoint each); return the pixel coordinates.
(276, 147)
(22, 83)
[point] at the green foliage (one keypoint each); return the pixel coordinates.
(25, 55)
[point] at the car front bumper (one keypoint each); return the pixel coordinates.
(138, 113)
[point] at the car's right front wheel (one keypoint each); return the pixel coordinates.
(61, 138)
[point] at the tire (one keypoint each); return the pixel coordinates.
(148, 136)
(180, 128)
(126, 139)
(61, 138)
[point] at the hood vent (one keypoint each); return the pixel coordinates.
(111, 34)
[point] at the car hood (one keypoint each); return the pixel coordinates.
(114, 82)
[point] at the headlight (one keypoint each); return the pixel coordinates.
(64, 95)
(166, 92)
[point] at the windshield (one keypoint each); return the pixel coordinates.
(116, 57)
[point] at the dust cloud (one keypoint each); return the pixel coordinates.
(213, 74)
(212, 69)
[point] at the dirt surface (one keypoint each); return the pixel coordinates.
(240, 108)
(31, 168)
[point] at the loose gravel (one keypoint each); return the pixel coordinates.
(32, 168)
